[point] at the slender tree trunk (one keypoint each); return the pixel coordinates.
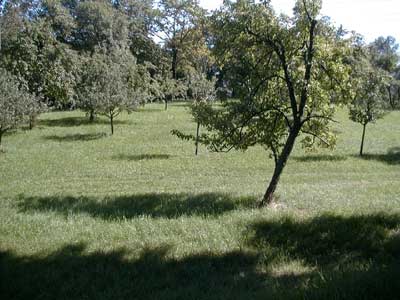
(166, 104)
(32, 122)
(197, 139)
(91, 116)
(391, 100)
(174, 62)
(362, 140)
(1, 135)
(280, 165)
(112, 123)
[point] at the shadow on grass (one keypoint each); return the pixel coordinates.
(355, 257)
(70, 273)
(319, 158)
(371, 271)
(76, 137)
(328, 239)
(139, 157)
(76, 121)
(392, 157)
(128, 207)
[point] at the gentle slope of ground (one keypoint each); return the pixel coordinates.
(137, 215)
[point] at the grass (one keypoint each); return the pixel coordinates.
(85, 215)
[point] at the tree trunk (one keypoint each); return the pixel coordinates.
(91, 116)
(32, 122)
(362, 140)
(197, 139)
(166, 104)
(112, 124)
(1, 135)
(280, 165)
(174, 62)
(391, 100)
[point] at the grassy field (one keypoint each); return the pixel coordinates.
(85, 215)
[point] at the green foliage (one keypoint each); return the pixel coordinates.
(384, 56)
(286, 73)
(176, 23)
(98, 23)
(369, 83)
(15, 103)
(112, 82)
(262, 56)
(38, 60)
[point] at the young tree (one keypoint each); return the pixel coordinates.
(111, 82)
(14, 103)
(384, 55)
(203, 93)
(286, 73)
(370, 98)
(172, 89)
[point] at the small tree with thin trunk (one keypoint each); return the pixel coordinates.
(14, 103)
(172, 89)
(111, 82)
(203, 93)
(370, 99)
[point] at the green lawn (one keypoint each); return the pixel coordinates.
(86, 215)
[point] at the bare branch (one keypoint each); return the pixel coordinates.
(316, 136)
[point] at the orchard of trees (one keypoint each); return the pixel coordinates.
(278, 79)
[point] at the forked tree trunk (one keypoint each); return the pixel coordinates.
(280, 165)
(362, 140)
(197, 139)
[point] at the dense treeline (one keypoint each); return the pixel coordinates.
(46, 45)
(283, 75)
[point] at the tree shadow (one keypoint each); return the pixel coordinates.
(76, 121)
(73, 272)
(355, 257)
(328, 238)
(150, 110)
(319, 158)
(139, 157)
(392, 157)
(76, 137)
(128, 207)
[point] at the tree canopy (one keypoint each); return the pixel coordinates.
(287, 74)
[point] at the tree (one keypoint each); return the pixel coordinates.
(175, 22)
(111, 83)
(98, 23)
(370, 98)
(203, 93)
(287, 74)
(384, 55)
(31, 52)
(14, 103)
(171, 89)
